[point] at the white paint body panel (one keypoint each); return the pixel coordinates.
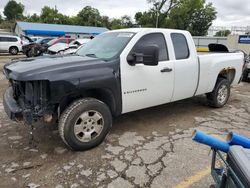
(186, 71)
(212, 64)
(189, 77)
(157, 87)
(5, 46)
(62, 46)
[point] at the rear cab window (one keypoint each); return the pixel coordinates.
(181, 47)
(157, 39)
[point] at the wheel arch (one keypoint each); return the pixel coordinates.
(13, 46)
(227, 73)
(102, 94)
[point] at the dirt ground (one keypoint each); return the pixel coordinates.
(147, 148)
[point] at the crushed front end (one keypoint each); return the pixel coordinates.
(28, 101)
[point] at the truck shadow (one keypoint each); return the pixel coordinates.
(163, 118)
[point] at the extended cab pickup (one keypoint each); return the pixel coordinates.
(117, 72)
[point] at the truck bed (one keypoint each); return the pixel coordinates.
(212, 63)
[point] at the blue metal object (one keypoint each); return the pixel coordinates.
(68, 29)
(235, 139)
(44, 32)
(214, 143)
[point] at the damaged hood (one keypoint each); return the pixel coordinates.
(50, 67)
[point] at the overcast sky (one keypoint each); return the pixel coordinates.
(230, 12)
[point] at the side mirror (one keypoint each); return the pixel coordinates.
(147, 55)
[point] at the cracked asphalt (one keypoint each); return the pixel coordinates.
(147, 148)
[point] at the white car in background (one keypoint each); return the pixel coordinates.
(10, 44)
(62, 48)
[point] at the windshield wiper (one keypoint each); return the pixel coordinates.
(91, 55)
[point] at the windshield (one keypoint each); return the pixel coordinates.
(39, 41)
(43, 40)
(52, 41)
(106, 45)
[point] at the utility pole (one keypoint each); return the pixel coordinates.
(157, 19)
(157, 14)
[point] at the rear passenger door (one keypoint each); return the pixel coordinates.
(186, 66)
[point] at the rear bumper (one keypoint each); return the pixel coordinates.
(12, 109)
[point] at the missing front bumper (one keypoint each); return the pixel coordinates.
(12, 109)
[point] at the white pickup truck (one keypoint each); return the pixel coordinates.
(117, 72)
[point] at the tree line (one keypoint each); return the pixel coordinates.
(195, 16)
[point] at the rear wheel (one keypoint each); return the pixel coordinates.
(85, 124)
(245, 76)
(220, 95)
(13, 50)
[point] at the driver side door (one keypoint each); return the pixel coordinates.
(145, 86)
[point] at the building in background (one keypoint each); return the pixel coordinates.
(41, 29)
(241, 42)
(203, 42)
(5, 32)
(235, 30)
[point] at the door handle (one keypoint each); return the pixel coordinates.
(166, 69)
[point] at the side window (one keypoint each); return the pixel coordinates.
(157, 39)
(180, 46)
(45, 41)
(9, 39)
(4, 39)
(13, 39)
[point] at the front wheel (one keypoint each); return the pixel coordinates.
(220, 95)
(13, 50)
(245, 76)
(85, 124)
(28, 53)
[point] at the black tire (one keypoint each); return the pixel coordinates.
(28, 53)
(33, 52)
(71, 116)
(13, 50)
(212, 97)
(245, 76)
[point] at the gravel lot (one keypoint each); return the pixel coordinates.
(147, 148)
